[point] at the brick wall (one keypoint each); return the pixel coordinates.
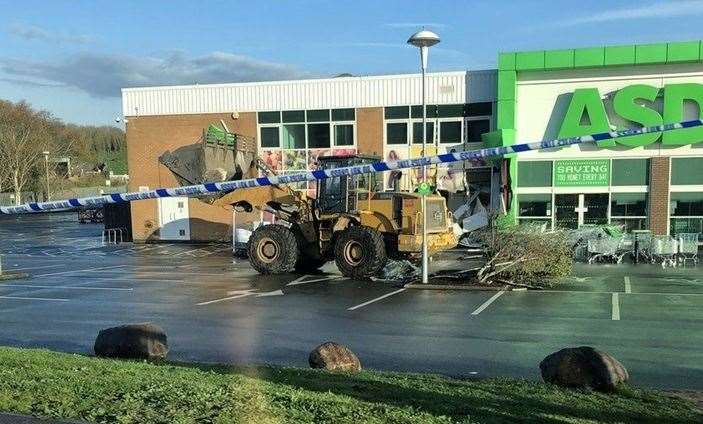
(148, 137)
(659, 195)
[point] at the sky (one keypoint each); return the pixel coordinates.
(73, 57)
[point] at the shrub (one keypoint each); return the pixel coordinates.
(525, 256)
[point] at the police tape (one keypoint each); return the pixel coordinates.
(227, 186)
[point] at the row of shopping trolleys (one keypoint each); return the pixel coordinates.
(643, 247)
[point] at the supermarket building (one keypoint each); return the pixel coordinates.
(652, 181)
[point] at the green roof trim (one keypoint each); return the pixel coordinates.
(640, 54)
(529, 61)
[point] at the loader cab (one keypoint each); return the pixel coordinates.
(342, 194)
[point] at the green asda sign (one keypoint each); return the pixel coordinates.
(635, 103)
(581, 173)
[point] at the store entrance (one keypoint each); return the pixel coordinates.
(575, 210)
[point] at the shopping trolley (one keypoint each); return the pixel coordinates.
(606, 249)
(664, 250)
(688, 247)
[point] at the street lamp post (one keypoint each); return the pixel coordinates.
(424, 40)
(46, 168)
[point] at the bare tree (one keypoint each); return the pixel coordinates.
(23, 138)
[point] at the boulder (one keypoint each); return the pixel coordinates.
(334, 357)
(583, 367)
(133, 341)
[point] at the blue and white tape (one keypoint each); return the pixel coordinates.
(227, 186)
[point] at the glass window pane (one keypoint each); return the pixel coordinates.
(535, 205)
(269, 117)
(321, 115)
(293, 116)
(686, 204)
(450, 111)
(344, 135)
(630, 172)
(417, 132)
(450, 132)
(343, 114)
(397, 133)
(416, 111)
(686, 171)
(479, 109)
(687, 225)
(628, 204)
(318, 135)
(294, 136)
(397, 112)
(535, 174)
(474, 129)
(269, 137)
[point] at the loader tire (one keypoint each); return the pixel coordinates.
(273, 249)
(360, 252)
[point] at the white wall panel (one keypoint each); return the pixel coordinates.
(443, 88)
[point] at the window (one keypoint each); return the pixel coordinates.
(269, 117)
(294, 136)
(322, 115)
(474, 129)
(450, 132)
(687, 171)
(629, 210)
(270, 137)
(417, 133)
(397, 133)
(416, 111)
(293, 116)
(397, 112)
(686, 213)
(318, 136)
(479, 109)
(450, 111)
(344, 135)
(630, 172)
(535, 174)
(343, 114)
(535, 205)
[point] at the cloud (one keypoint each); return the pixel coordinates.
(413, 25)
(659, 10)
(103, 75)
(30, 83)
(35, 33)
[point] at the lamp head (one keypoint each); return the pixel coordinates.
(423, 38)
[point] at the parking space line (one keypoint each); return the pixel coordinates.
(628, 285)
(488, 303)
(376, 299)
(46, 299)
(616, 307)
(209, 302)
(298, 281)
(35, 267)
(32, 286)
(80, 270)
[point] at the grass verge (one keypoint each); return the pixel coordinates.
(59, 385)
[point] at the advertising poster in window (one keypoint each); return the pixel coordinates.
(273, 159)
(313, 156)
(344, 152)
(416, 173)
(295, 160)
(396, 153)
(450, 177)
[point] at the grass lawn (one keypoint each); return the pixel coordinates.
(50, 384)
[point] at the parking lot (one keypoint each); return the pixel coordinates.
(216, 309)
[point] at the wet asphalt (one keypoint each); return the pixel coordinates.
(216, 309)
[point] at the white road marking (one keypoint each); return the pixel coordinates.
(607, 292)
(628, 286)
(209, 302)
(294, 282)
(376, 299)
(36, 267)
(616, 307)
(316, 280)
(271, 293)
(65, 287)
(34, 298)
(80, 270)
(488, 303)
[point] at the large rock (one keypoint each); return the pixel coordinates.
(134, 341)
(583, 367)
(334, 357)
